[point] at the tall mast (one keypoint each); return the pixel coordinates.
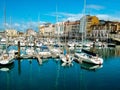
(83, 23)
(5, 17)
(57, 22)
(10, 22)
(38, 24)
(57, 29)
(5, 26)
(84, 18)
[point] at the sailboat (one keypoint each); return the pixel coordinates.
(55, 50)
(85, 55)
(6, 58)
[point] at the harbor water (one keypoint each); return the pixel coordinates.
(27, 74)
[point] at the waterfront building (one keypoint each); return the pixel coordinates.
(47, 30)
(59, 29)
(93, 28)
(90, 21)
(30, 32)
(2, 33)
(21, 34)
(103, 30)
(86, 22)
(101, 35)
(11, 33)
(71, 29)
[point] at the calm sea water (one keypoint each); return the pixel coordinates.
(27, 74)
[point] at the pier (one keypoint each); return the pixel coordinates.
(37, 56)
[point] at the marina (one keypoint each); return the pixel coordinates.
(40, 68)
(54, 45)
(52, 74)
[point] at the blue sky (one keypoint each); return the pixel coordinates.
(25, 13)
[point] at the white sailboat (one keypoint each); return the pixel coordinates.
(64, 58)
(6, 58)
(87, 56)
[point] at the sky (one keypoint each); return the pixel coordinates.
(24, 14)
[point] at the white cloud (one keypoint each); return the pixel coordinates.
(108, 17)
(73, 17)
(63, 16)
(95, 7)
(70, 16)
(16, 24)
(23, 26)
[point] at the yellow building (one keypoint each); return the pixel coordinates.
(11, 33)
(91, 20)
(47, 30)
(42, 29)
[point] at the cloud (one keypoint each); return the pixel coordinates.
(16, 24)
(74, 17)
(108, 17)
(70, 16)
(95, 7)
(23, 26)
(63, 16)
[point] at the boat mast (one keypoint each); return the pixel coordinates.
(4, 17)
(57, 25)
(38, 24)
(10, 23)
(5, 26)
(84, 18)
(83, 23)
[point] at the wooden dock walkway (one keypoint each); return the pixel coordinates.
(37, 56)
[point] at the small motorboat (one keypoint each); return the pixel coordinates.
(89, 57)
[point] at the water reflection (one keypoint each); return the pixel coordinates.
(107, 52)
(90, 67)
(67, 64)
(7, 68)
